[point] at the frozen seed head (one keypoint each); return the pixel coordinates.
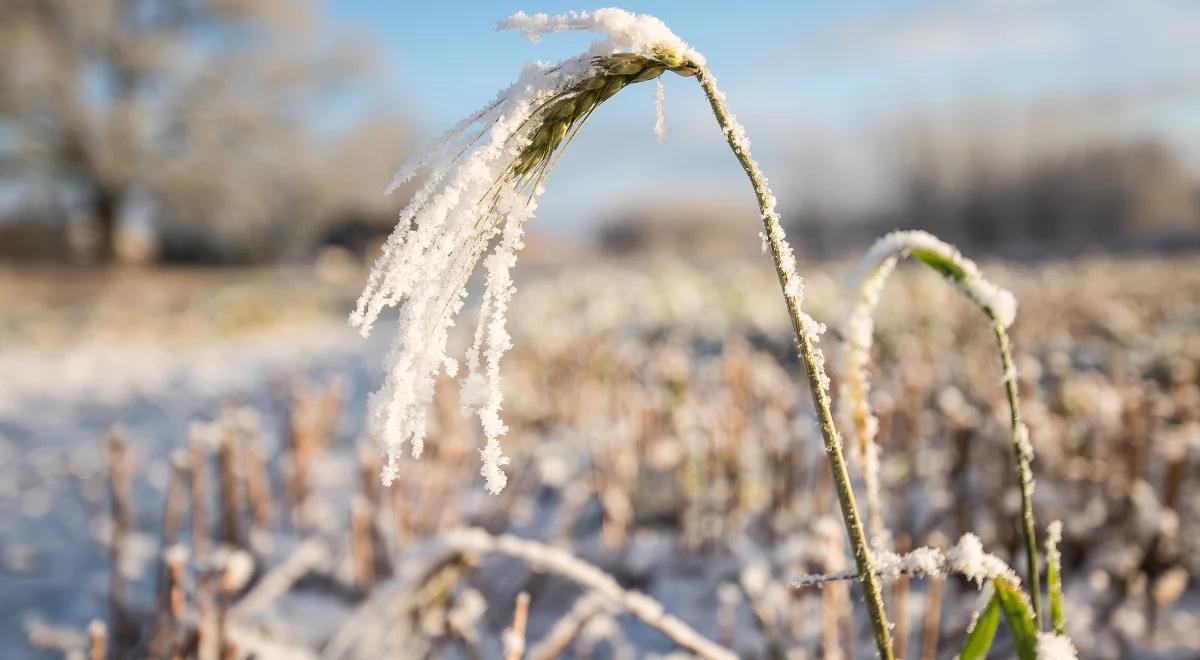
(564, 114)
(483, 178)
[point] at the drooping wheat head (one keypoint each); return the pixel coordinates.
(484, 177)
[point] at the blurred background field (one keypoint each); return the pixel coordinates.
(657, 431)
(190, 196)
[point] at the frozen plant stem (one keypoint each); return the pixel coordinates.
(1023, 473)
(1000, 308)
(805, 340)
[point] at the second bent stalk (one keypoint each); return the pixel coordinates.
(805, 340)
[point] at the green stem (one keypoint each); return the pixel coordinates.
(1023, 472)
(813, 366)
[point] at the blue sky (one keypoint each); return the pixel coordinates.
(817, 85)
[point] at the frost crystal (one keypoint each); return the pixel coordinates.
(1023, 441)
(660, 114)
(1055, 647)
(638, 33)
(1053, 537)
(484, 177)
(966, 558)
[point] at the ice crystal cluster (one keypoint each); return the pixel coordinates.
(1055, 647)
(483, 178)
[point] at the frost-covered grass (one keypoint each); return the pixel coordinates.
(657, 434)
(719, 448)
(484, 178)
(997, 304)
(485, 175)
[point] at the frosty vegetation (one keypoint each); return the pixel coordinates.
(1055, 647)
(967, 558)
(660, 114)
(484, 178)
(877, 265)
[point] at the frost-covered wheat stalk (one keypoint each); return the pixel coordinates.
(484, 178)
(807, 333)
(1001, 309)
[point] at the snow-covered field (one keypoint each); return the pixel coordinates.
(659, 429)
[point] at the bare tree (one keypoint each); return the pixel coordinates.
(205, 115)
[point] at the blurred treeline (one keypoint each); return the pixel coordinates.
(1054, 195)
(1029, 187)
(187, 130)
(241, 131)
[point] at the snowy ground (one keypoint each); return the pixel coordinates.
(685, 375)
(57, 404)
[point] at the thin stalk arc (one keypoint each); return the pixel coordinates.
(806, 341)
(1019, 439)
(1000, 309)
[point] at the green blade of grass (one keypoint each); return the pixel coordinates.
(939, 263)
(979, 639)
(1019, 618)
(1054, 587)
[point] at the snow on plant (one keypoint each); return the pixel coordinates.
(660, 112)
(966, 558)
(997, 304)
(484, 177)
(1055, 647)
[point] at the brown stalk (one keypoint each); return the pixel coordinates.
(97, 640)
(515, 643)
(900, 602)
(299, 446)
(831, 605)
(258, 483)
(362, 546)
(172, 521)
(120, 494)
(933, 619)
(197, 457)
(229, 493)
(565, 630)
(166, 639)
